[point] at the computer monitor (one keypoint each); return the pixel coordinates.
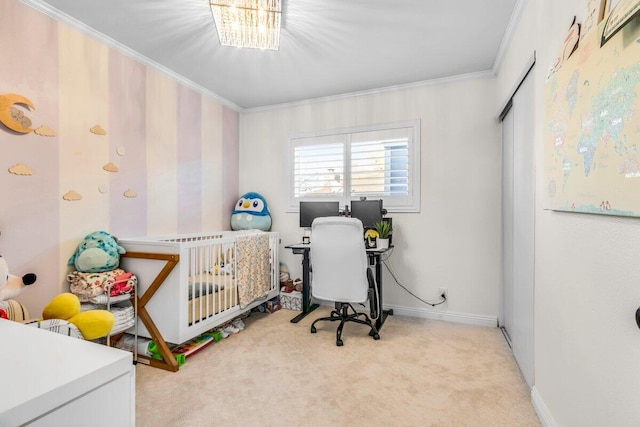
(312, 210)
(368, 211)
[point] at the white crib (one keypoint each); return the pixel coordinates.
(190, 283)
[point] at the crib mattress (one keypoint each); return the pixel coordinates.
(216, 300)
(211, 279)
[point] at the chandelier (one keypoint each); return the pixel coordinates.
(248, 23)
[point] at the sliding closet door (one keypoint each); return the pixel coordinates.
(518, 226)
(506, 319)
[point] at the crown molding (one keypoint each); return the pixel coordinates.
(63, 18)
(508, 35)
(414, 85)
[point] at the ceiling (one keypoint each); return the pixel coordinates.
(327, 47)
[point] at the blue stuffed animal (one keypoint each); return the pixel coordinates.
(251, 213)
(98, 252)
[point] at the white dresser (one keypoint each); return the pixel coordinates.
(48, 379)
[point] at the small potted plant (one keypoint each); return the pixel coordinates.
(384, 230)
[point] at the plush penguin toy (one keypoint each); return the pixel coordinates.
(251, 212)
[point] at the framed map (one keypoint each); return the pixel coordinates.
(592, 127)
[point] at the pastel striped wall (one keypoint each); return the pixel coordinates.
(212, 160)
(29, 212)
(189, 160)
(162, 170)
(231, 156)
(176, 149)
(83, 92)
(127, 151)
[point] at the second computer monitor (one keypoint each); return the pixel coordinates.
(367, 211)
(312, 210)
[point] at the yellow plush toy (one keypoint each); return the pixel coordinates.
(92, 324)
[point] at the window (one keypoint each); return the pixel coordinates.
(376, 162)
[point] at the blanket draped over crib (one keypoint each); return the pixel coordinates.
(253, 269)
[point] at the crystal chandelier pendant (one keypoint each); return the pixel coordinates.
(248, 23)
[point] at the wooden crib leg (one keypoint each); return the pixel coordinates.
(168, 362)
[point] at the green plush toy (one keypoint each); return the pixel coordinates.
(98, 252)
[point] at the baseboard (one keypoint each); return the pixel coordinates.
(447, 316)
(541, 409)
(468, 319)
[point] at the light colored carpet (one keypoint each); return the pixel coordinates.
(276, 373)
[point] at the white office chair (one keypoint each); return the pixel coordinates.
(341, 272)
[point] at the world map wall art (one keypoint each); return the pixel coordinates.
(592, 127)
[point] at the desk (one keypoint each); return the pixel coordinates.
(373, 255)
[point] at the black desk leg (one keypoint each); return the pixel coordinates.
(382, 316)
(307, 307)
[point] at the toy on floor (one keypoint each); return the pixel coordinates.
(182, 351)
(10, 287)
(63, 315)
(98, 252)
(251, 213)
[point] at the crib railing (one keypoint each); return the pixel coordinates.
(198, 289)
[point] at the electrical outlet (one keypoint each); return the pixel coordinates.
(443, 291)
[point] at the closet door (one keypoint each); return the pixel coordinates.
(506, 318)
(518, 227)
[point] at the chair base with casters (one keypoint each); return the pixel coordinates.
(341, 314)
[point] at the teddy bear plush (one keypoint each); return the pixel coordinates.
(10, 287)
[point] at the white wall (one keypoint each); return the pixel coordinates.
(454, 241)
(587, 346)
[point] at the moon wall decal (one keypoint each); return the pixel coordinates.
(6, 103)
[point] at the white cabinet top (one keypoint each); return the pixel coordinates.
(43, 370)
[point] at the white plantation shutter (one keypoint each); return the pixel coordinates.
(379, 162)
(318, 168)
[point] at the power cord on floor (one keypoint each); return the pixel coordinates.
(432, 304)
